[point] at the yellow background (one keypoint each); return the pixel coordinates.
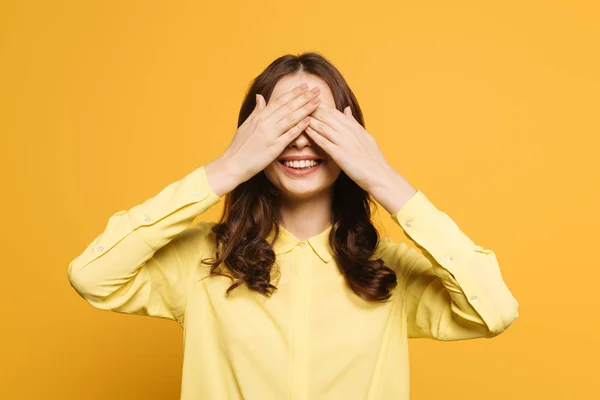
(489, 108)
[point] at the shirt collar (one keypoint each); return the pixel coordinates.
(287, 241)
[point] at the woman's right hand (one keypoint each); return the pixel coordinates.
(262, 137)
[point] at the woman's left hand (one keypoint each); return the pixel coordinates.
(353, 149)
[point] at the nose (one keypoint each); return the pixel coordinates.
(300, 141)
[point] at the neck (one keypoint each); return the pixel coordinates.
(307, 217)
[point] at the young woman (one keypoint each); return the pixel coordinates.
(292, 294)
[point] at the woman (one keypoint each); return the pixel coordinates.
(292, 295)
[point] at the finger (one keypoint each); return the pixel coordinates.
(295, 104)
(275, 104)
(292, 133)
(348, 112)
(324, 130)
(261, 103)
(258, 105)
(294, 117)
(326, 114)
(339, 115)
(322, 141)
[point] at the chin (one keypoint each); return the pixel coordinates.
(302, 190)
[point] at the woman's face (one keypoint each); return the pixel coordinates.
(299, 183)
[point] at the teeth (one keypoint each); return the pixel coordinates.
(301, 164)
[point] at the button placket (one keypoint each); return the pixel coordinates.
(299, 327)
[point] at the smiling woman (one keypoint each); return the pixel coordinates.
(304, 200)
(320, 307)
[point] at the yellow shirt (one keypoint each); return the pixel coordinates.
(314, 338)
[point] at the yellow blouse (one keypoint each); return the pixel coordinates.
(313, 338)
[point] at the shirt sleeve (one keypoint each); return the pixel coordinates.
(137, 266)
(453, 290)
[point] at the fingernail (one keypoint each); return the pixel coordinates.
(304, 86)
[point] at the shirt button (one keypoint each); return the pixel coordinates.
(302, 245)
(408, 222)
(446, 259)
(196, 193)
(100, 249)
(147, 219)
(473, 298)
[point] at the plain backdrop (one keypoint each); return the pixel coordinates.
(490, 108)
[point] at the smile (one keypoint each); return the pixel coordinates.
(300, 168)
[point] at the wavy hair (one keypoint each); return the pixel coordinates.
(252, 209)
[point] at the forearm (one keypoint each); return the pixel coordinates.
(133, 236)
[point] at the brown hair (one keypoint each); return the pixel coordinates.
(252, 209)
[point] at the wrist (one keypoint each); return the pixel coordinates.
(393, 191)
(221, 176)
